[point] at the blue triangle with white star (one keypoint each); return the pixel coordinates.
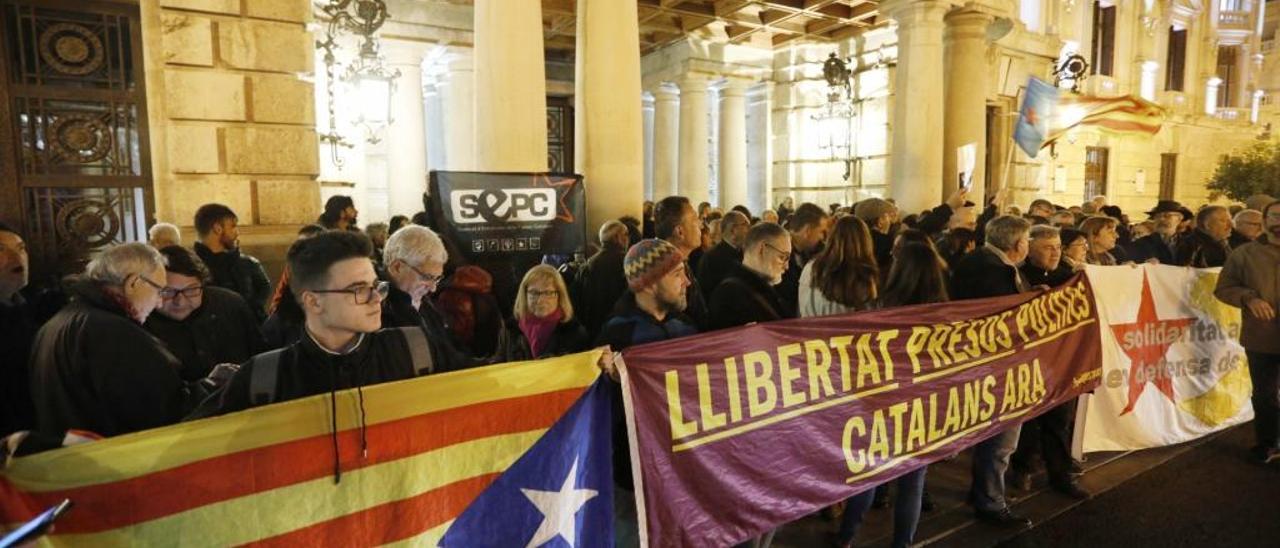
(559, 493)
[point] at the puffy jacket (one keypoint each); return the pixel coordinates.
(241, 273)
(93, 367)
(222, 330)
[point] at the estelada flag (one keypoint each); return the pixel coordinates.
(1125, 115)
(508, 455)
(1033, 117)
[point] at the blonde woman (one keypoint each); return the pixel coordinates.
(544, 324)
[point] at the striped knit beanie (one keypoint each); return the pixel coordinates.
(649, 260)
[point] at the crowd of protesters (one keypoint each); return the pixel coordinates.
(154, 333)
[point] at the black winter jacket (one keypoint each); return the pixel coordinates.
(1197, 249)
(744, 297)
(94, 368)
(398, 311)
(716, 264)
(567, 338)
(240, 273)
(1148, 247)
(982, 274)
(306, 369)
(222, 330)
(598, 286)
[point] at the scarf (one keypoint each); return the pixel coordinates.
(538, 330)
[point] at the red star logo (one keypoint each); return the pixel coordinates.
(562, 186)
(1146, 341)
(1032, 117)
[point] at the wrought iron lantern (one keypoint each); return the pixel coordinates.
(366, 76)
(835, 120)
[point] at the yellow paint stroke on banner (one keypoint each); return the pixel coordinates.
(1223, 401)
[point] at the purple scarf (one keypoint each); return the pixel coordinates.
(538, 330)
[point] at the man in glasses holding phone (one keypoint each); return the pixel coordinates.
(201, 324)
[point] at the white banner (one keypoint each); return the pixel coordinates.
(1172, 365)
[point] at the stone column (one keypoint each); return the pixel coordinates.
(733, 144)
(510, 86)
(646, 109)
(759, 146)
(406, 136)
(1244, 65)
(455, 83)
(666, 141)
(608, 122)
(966, 90)
(694, 174)
(915, 166)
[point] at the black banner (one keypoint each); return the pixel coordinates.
(489, 216)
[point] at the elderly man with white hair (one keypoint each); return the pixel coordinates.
(414, 258)
(94, 367)
(163, 235)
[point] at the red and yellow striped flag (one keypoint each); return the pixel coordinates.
(264, 477)
(1128, 114)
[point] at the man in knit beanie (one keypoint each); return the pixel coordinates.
(651, 310)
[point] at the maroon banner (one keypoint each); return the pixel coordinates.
(738, 431)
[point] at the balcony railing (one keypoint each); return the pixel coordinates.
(1232, 114)
(1234, 20)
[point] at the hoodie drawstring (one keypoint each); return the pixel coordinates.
(364, 442)
(333, 429)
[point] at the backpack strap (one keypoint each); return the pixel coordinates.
(263, 378)
(419, 350)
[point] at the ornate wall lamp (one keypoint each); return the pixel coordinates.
(835, 121)
(366, 75)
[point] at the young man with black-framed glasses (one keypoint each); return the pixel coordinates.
(343, 344)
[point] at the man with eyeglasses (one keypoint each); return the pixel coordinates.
(202, 325)
(343, 344)
(93, 366)
(748, 292)
(414, 258)
(1246, 227)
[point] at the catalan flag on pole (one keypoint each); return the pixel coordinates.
(1129, 114)
(510, 455)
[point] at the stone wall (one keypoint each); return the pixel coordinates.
(232, 114)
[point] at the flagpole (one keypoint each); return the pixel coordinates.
(1008, 160)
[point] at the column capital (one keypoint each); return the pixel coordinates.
(693, 83)
(907, 13)
(735, 87)
(665, 91)
(968, 24)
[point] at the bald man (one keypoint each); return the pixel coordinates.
(601, 281)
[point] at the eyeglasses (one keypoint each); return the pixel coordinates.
(158, 287)
(535, 294)
(362, 294)
(786, 255)
(429, 278)
(171, 293)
